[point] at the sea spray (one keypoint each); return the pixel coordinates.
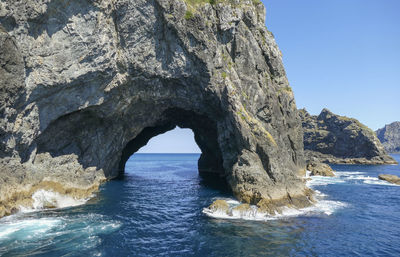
(78, 232)
(44, 199)
(322, 206)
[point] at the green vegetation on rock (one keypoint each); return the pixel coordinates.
(195, 3)
(188, 15)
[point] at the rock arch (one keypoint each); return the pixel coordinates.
(205, 135)
(85, 91)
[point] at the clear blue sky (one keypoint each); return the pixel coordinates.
(343, 55)
(174, 141)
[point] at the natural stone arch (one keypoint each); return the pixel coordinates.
(205, 136)
(127, 66)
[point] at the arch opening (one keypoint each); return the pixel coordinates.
(101, 142)
(210, 162)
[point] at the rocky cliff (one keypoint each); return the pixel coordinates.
(390, 137)
(332, 138)
(84, 84)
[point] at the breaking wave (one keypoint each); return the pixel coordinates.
(44, 199)
(322, 206)
(75, 232)
(362, 176)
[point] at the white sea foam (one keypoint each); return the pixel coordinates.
(348, 173)
(27, 229)
(44, 199)
(323, 181)
(322, 206)
(245, 215)
(326, 207)
(379, 182)
(364, 177)
(361, 177)
(232, 202)
(78, 231)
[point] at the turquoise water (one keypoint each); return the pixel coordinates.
(156, 210)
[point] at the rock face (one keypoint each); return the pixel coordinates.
(85, 84)
(331, 138)
(390, 178)
(320, 169)
(219, 206)
(390, 137)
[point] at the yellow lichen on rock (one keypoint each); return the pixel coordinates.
(256, 125)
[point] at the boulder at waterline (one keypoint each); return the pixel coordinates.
(390, 178)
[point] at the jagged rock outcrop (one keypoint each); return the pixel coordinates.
(390, 137)
(331, 138)
(84, 84)
(317, 168)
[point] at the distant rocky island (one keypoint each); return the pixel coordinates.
(336, 139)
(390, 137)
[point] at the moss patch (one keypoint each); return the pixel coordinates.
(188, 15)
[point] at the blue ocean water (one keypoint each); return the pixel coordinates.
(156, 210)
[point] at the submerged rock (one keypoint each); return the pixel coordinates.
(84, 85)
(390, 137)
(331, 138)
(390, 178)
(319, 169)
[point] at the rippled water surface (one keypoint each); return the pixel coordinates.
(156, 210)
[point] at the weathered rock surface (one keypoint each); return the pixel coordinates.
(390, 178)
(390, 137)
(319, 169)
(85, 84)
(331, 138)
(219, 206)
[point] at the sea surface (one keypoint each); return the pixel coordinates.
(156, 209)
